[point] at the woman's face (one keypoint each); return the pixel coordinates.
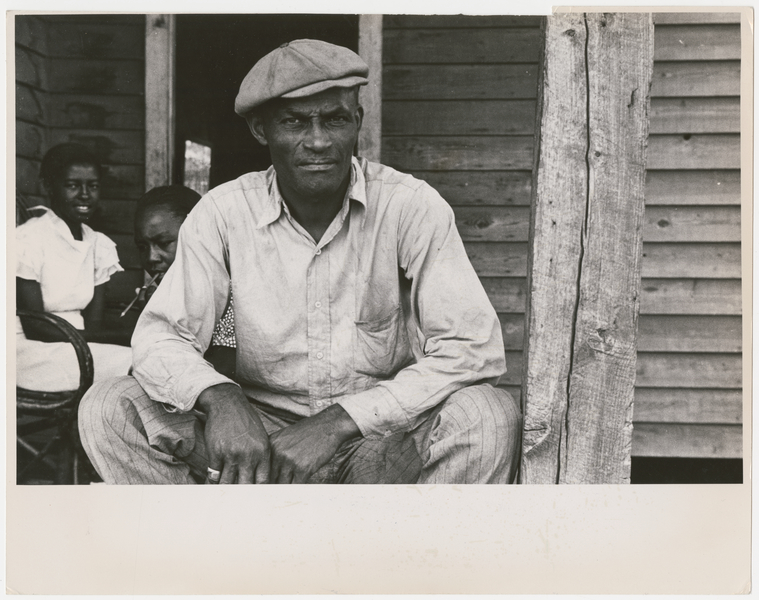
(75, 195)
(156, 236)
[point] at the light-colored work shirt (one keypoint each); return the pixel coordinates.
(384, 315)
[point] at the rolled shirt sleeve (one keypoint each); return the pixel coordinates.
(459, 332)
(175, 328)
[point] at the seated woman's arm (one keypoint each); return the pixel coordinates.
(95, 329)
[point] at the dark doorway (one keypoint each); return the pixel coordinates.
(213, 55)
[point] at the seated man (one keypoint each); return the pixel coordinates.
(367, 348)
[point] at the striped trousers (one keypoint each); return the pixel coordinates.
(472, 437)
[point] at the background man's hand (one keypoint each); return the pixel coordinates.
(301, 449)
(235, 437)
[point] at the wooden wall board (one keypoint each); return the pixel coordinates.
(673, 405)
(498, 259)
(695, 42)
(27, 175)
(692, 224)
(513, 374)
(693, 18)
(689, 333)
(493, 224)
(471, 46)
(97, 76)
(31, 33)
(96, 40)
(31, 140)
(682, 260)
(512, 328)
(92, 111)
(30, 104)
(459, 82)
(128, 255)
(687, 440)
(507, 294)
(459, 117)
(440, 153)
(693, 187)
(480, 188)
(698, 151)
(31, 68)
(689, 370)
(694, 78)
(690, 296)
(115, 217)
(459, 21)
(695, 115)
(111, 146)
(123, 181)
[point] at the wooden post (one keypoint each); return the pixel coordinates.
(370, 49)
(159, 99)
(584, 264)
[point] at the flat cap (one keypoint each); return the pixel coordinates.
(299, 68)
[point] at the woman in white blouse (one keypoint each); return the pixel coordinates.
(61, 267)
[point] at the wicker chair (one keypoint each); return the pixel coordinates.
(54, 410)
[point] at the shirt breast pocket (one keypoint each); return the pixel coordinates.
(381, 345)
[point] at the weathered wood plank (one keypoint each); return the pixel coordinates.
(691, 297)
(602, 378)
(31, 69)
(31, 32)
(713, 78)
(31, 140)
(460, 153)
(688, 441)
(698, 42)
(370, 49)
(695, 115)
(97, 40)
(475, 46)
(694, 18)
(459, 21)
(491, 117)
(91, 111)
(700, 151)
(460, 82)
(97, 76)
(493, 259)
(30, 104)
(120, 147)
(480, 188)
(160, 31)
(27, 177)
(493, 224)
(555, 249)
(92, 19)
(713, 261)
(115, 217)
(513, 374)
(686, 333)
(656, 369)
(693, 187)
(512, 328)
(672, 405)
(507, 294)
(128, 255)
(123, 181)
(692, 224)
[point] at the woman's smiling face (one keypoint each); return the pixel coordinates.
(75, 195)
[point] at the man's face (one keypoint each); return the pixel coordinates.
(155, 236)
(311, 141)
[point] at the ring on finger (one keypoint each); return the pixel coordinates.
(213, 475)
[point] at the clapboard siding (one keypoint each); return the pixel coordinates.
(475, 188)
(688, 396)
(80, 78)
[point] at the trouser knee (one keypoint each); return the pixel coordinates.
(493, 410)
(105, 405)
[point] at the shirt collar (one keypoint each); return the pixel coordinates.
(60, 227)
(276, 204)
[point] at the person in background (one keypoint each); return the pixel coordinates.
(158, 217)
(62, 266)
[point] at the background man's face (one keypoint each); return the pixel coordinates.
(311, 141)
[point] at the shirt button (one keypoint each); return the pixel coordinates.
(320, 355)
(318, 304)
(318, 251)
(319, 403)
(388, 433)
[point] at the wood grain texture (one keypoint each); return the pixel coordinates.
(460, 82)
(370, 49)
(695, 115)
(493, 224)
(714, 261)
(159, 99)
(693, 187)
(694, 18)
(97, 76)
(118, 147)
(451, 46)
(92, 111)
(692, 224)
(494, 259)
(688, 333)
(602, 378)
(507, 294)
(696, 42)
(692, 370)
(459, 21)
(553, 262)
(696, 78)
(31, 104)
(688, 441)
(512, 328)
(485, 153)
(96, 39)
(480, 188)
(699, 151)
(690, 297)
(673, 405)
(459, 117)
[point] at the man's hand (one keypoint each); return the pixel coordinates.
(301, 449)
(235, 437)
